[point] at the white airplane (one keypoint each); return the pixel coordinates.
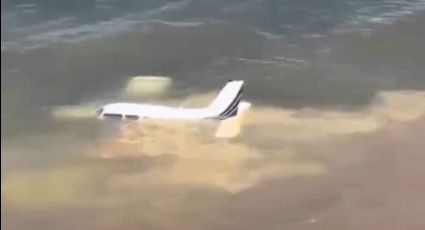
(226, 108)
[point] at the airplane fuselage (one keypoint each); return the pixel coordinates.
(148, 111)
(224, 106)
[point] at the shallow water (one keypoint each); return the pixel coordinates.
(333, 140)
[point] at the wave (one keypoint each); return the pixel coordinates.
(270, 20)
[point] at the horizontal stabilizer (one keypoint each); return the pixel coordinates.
(231, 127)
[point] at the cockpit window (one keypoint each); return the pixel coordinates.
(132, 117)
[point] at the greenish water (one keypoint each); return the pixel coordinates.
(321, 170)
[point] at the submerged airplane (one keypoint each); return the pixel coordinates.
(227, 107)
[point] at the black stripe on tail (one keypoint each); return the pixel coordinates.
(232, 109)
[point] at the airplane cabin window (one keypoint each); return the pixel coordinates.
(132, 117)
(113, 116)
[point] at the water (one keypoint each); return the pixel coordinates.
(333, 140)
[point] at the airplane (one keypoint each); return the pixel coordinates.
(227, 108)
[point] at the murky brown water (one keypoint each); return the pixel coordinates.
(333, 140)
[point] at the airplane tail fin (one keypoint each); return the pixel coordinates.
(226, 104)
(231, 127)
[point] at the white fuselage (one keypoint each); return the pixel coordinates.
(224, 106)
(143, 111)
